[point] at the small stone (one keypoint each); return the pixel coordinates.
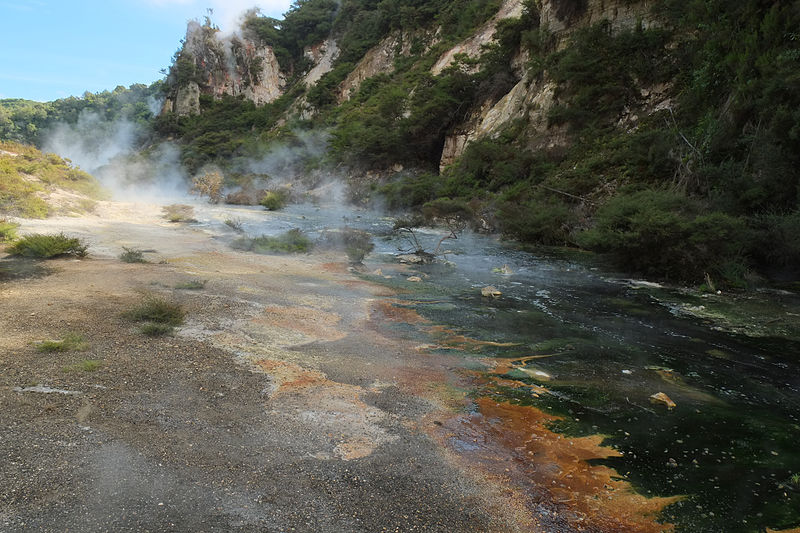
(490, 291)
(663, 399)
(414, 279)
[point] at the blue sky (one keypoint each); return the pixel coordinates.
(52, 49)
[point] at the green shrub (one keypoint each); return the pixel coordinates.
(157, 313)
(663, 233)
(293, 241)
(544, 221)
(41, 246)
(357, 244)
(8, 230)
(275, 199)
(777, 241)
(70, 342)
(411, 191)
(132, 255)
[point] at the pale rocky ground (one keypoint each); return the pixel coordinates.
(283, 403)
(279, 406)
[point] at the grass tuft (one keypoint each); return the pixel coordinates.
(235, 224)
(70, 342)
(87, 365)
(132, 255)
(39, 246)
(192, 285)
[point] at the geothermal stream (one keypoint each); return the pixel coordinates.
(303, 395)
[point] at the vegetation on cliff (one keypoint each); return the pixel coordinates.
(671, 144)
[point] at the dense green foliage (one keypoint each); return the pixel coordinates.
(707, 185)
(26, 121)
(40, 246)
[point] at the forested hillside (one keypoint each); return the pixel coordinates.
(666, 134)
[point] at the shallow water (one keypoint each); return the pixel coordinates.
(604, 345)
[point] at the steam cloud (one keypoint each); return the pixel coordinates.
(109, 151)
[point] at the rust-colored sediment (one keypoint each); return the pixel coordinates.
(513, 441)
(504, 366)
(391, 310)
(451, 339)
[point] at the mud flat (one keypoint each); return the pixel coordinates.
(283, 403)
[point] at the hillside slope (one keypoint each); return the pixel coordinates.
(35, 185)
(666, 134)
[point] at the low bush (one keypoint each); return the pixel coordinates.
(210, 185)
(8, 230)
(39, 246)
(546, 222)
(234, 223)
(275, 199)
(158, 315)
(132, 255)
(293, 241)
(357, 244)
(153, 329)
(665, 234)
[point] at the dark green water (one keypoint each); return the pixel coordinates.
(731, 445)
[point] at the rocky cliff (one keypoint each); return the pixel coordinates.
(214, 64)
(532, 99)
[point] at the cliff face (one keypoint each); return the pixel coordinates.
(239, 65)
(222, 65)
(473, 45)
(533, 99)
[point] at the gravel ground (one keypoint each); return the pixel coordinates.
(277, 407)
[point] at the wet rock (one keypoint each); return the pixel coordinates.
(490, 291)
(663, 399)
(417, 258)
(414, 279)
(505, 270)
